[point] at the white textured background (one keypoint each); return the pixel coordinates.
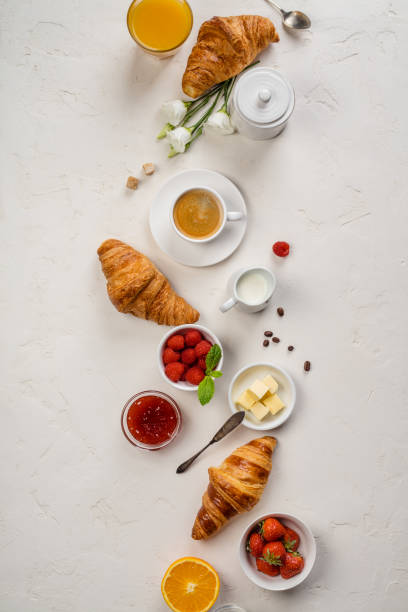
(89, 523)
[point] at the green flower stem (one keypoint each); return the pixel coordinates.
(206, 114)
(194, 110)
(250, 66)
(196, 135)
(202, 101)
(229, 92)
(209, 92)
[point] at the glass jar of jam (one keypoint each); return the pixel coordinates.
(151, 420)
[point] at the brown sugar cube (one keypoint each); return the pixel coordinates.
(132, 182)
(148, 168)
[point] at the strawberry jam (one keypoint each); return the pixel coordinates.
(150, 418)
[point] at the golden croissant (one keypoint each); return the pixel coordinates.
(235, 487)
(224, 47)
(136, 286)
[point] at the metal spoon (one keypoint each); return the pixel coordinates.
(295, 20)
(228, 426)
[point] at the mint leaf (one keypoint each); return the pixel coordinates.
(205, 390)
(213, 357)
(216, 374)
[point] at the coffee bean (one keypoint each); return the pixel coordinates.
(266, 343)
(307, 366)
(268, 334)
(280, 311)
(275, 339)
(290, 348)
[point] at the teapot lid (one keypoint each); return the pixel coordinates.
(263, 96)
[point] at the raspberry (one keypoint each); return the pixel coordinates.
(174, 370)
(193, 337)
(195, 375)
(188, 356)
(201, 363)
(176, 342)
(169, 356)
(281, 249)
(202, 348)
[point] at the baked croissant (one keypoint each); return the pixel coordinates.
(136, 286)
(235, 487)
(224, 47)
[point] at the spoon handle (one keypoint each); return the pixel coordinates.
(278, 8)
(186, 464)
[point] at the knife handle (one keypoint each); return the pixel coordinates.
(186, 464)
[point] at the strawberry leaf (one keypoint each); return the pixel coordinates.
(271, 559)
(290, 545)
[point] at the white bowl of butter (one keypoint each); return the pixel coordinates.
(266, 392)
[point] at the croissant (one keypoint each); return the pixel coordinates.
(235, 487)
(136, 286)
(224, 47)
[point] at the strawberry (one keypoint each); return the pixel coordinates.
(255, 545)
(202, 348)
(174, 370)
(293, 564)
(272, 529)
(169, 356)
(188, 356)
(264, 567)
(193, 337)
(194, 375)
(176, 342)
(291, 540)
(274, 553)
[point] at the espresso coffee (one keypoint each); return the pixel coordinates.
(198, 214)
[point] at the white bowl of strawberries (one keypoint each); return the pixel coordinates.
(182, 355)
(277, 551)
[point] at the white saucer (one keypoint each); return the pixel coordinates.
(189, 254)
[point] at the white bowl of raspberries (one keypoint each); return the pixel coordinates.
(277, 551)
(182, 353)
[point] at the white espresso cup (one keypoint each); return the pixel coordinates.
(227, 215)
(251, 288)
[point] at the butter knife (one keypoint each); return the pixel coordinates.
(229, 425)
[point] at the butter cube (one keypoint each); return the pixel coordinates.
(271, 383)
(259, 410)
(258, 388)
(246, 399)
(273, 403)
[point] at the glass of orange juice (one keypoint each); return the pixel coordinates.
(160, 26)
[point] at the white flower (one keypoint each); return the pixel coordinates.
(174, 111)
(220, 122)
(178, 138)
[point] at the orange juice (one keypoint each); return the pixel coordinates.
(159, 26)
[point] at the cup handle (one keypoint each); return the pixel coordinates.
(234, 216)
(228, 304)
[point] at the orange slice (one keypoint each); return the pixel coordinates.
(190, 585)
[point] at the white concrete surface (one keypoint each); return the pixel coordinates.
(88, 523)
